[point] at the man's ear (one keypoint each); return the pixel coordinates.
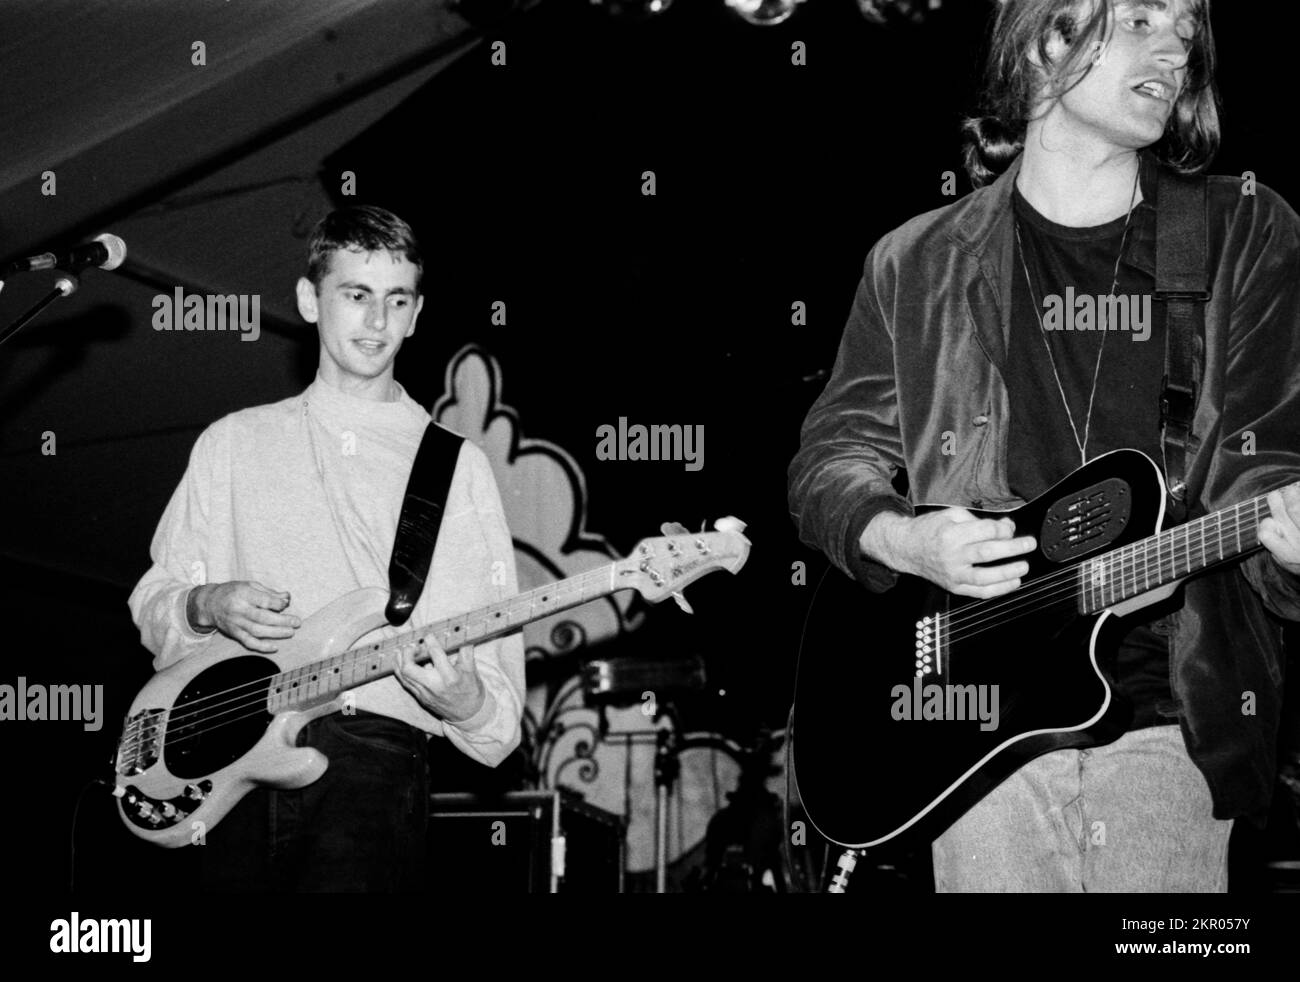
(307, 300)
(419, 306)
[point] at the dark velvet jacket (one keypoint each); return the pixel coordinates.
(923, 354)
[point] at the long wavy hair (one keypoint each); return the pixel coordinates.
(1012, 84)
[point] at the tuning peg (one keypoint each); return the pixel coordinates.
(681, 602)
(729, 524)
(673, 528)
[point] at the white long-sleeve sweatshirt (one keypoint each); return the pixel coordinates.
(304, 495)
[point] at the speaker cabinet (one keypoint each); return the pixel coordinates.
(524, 842)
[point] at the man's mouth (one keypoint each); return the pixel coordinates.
(369, 347)
(1155, 89)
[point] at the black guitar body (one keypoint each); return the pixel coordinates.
(1004, 682)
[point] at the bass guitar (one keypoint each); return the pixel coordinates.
(205, 731)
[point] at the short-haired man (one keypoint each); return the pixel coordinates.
(286, 507)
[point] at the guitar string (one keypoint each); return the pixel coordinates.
(1203, 554)
(968, 628)
(1245, 514)
(1115, 571)
(257, 707)
(210, 726)
(1125, 559)
(1126, 556)
(958, 626)
(580, 583)
(958, 629)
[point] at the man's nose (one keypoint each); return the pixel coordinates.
(1171, 50)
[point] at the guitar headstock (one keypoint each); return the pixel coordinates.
(663, 566)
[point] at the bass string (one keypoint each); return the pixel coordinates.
(579, 583)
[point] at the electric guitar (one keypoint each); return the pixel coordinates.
(205, 731)
(900, 728)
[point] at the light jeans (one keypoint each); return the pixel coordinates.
(1132, 816)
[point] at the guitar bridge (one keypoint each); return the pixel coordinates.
(142, 741)
(928, 649)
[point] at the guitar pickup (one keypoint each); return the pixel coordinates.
(1086, 521)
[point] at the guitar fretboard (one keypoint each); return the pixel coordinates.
(324, 679)
(1167, 556)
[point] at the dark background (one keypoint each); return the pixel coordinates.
(524, 185)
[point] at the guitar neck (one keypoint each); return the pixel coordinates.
(1171, 555)
(322, 680)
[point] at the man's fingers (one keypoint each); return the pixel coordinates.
(263, 588)
(982, 530)
(439, 660)
(995, 550)
(252, 643)
(267, 631)
(260, 615)
(981, 576)
(988, 592)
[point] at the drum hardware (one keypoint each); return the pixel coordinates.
(628, 680)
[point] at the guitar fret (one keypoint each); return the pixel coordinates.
(1236, 521)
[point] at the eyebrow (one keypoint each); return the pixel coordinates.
(397, 291)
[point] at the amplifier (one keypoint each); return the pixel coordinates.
(524, 842)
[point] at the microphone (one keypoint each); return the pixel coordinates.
(107, 251)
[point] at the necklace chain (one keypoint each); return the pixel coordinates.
(1042, 330)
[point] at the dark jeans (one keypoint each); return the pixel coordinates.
(360, 827)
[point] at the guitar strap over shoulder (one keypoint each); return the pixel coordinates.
(420, 522)
(1183, 283)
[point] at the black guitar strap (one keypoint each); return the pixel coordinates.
(1183, 283)
(421, 520)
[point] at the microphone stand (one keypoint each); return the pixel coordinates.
(65, 286)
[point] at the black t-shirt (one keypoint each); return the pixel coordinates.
(1042, 447)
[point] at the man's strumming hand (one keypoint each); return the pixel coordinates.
(243, 610)
(944, 546)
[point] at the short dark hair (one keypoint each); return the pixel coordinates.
(361, 228)
(1012, 83)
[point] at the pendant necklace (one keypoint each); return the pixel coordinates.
(1042, 330)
